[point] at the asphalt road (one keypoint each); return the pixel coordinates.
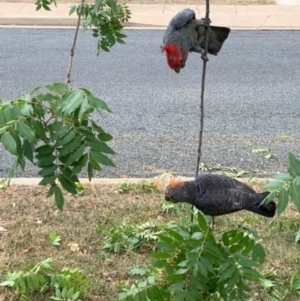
(252, 97)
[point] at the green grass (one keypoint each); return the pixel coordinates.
(28, 219)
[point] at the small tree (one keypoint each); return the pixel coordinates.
(193, 264)
(52, 126)
(286, 185)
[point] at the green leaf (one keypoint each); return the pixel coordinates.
(202, 268)
(259, 253)
(79, 165)
(294, 168)
(295, 194)
(182, 271)
(45, 150)
(197, 235)
(160, 255)
(59, 198)
(232, 281)
(183, 232)
(105, 137)
(174, 234)
(59, 88)
(159, 264)
(208, 265)
(70, 292)
(28, 150)
(67, 184)
(112, 5)
(97, 128)
(283, 199)
(99, 146)
(9, 143)
(102, 159)
(51, 190)
(26, 110)
(46, 7)
(48, 170)
(64, 293)
(202, 222)
(26, 131)
(226, 270)
(274, 185)
(70, 147)
(250, 274)
(297, 236)
(72, 9)
(283, 177)
(84, 108)
(59, 130)
(176, 277)
(70, 102)
(272, 196)
(249, 247)
(92, 165)
(73, 157)
(180, 296)
(46, 160)
(98, 103)
(175, 287)
(39, 130)
(76, 296)
(66, 138)
(48, 180)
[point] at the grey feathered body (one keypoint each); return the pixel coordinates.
(188, 32)
(217, 195)
(182, 30)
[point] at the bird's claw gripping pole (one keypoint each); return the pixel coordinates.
(205, 59)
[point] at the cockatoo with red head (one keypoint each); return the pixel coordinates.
(185, 33)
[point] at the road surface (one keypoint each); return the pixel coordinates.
(252, 97)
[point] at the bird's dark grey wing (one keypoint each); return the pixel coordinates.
(218, 195)
(182, 18)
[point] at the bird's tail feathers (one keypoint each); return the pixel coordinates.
(261, 196)
(220, 32)
(267, 210)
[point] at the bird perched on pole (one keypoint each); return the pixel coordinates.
(185, 33)
(216, 195)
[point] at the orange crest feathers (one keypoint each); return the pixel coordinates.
(175, 182)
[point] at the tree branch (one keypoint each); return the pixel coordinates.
(68, 80)
(199, 151)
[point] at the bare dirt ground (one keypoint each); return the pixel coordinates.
(27, 218)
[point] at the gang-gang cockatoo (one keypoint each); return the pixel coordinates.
(216, 195)
(185, 33)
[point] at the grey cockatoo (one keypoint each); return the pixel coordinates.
(185, 33)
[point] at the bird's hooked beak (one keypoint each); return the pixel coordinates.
(168, 196)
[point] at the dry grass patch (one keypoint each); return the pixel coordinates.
(28, 218)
